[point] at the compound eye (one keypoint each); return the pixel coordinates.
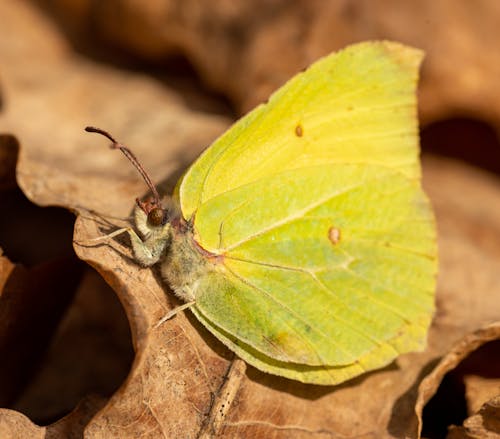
(155, 217)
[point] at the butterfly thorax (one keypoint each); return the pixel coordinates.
(185, 263)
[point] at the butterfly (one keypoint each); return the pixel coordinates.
(302, 238)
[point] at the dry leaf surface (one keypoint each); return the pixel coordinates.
(461, 350)
(485, 424)
(248, 49)
(183, 383)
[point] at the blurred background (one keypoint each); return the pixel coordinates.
(167, 77)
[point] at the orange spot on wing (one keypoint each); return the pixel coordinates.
(299, 131)
(334, 235)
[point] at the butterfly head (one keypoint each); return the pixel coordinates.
(156, 215)
(150, 214)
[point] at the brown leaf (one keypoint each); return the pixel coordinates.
(32, 302)
(9, 150)
(89, 357)
(479, 389)
(183, 383)
(15, 425)
(450, 361)
(255, 46)
(485, 424)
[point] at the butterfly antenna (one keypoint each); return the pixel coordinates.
(133, 159)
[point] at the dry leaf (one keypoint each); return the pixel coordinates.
(9, 150)
(248, 49)
(183, 383)
(450, 361)
(483, 425)
(15, 425)
(89, 353)
(479, 389)
(32, 302)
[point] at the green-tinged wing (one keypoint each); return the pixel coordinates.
(314, 203)
(354, 106)
(298, 296)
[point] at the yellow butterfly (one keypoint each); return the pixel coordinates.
(301, 238)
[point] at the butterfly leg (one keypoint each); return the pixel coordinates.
(150, 251)
(147, 252)
(173, 312)
(103, 238)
